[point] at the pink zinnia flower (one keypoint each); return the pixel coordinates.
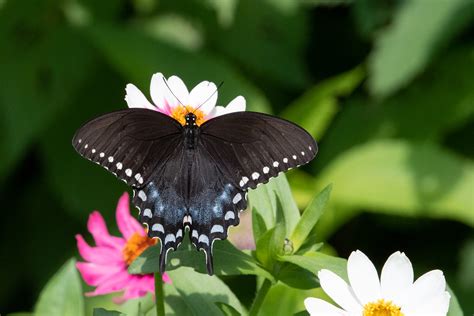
(106, 264)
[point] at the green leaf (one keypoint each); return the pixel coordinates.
(297, 277)
(309, 218)
(284, 300)
(315, 110)
(454, 307)
(201, 292)
(315, 261)
(258, 225)
(227, 309)
(402, 178)
(228, 260)
(146, 56)
(425, 100)
(263, 250)
(264, 200)
(405, 47)
(105, 312)
(327, 2)
(63, 293)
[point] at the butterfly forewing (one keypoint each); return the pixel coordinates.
(130, 143)
(250, 148)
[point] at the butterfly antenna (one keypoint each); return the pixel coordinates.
(166, 83)
(217, 89)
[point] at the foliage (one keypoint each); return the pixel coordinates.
(384, 87)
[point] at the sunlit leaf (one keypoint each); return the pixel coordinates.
(309, 218)
(264, 200)
(405, 47)
(201, 292)
(105, 312)
(315, 110)
(315, 261)
(402, 178)
(63, 294)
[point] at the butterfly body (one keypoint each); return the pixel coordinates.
(189, 177)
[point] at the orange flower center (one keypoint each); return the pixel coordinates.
(135, 246)
(180, 111)
(382, 308)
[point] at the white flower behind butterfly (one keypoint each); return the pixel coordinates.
(175, 100)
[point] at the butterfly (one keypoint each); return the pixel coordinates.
(192, 177)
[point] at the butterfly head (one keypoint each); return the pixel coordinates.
(190, 119)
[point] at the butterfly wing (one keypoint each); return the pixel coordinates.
(237, 152)
(214, 203)
(129, 143)
(253, 147)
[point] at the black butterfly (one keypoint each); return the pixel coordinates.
(191, 176)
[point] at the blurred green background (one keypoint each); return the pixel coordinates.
(385, 87)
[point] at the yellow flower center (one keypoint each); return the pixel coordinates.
(180, 111)
(135, 246)
(382, 308)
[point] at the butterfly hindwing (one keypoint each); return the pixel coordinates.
(129, 143)
(214, 204)
(253, 147)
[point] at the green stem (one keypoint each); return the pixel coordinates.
(262, 292)
(159, 295)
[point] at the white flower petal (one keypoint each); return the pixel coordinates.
(217, 111)
(396, 277)
(238, 104)
(318, 307)
(437, 305)
(179, 92)
(363, 277)
(338, 290)
(204, 96)
(429, 285)
(158, 91)
(136, 99)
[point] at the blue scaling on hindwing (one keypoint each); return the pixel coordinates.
(162, 210)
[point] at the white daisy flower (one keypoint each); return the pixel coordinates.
(394, 294)
(175, 100)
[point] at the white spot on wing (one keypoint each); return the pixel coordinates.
(158, 228)
(276, 164)
(142, 195)
(87, 145)
(128, 172)
(217, 229)
(229, 215)
(179, 234)
(80, 141)
(294, 157)
(204, 239)
(285, 160)
(119, 165)
(101, 155)
(266, 169)
(147, 213)
(255, 175)
(138, 176)
(302, 153)
(93, 151)
(111, 159)
(170, 238)
(237, 198)
(195, 234)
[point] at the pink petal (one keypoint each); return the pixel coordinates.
(98, 229)
(95, 274)
(166, 278)
(158, 91)
(127, 224)
(98, 254)
(118, 283)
